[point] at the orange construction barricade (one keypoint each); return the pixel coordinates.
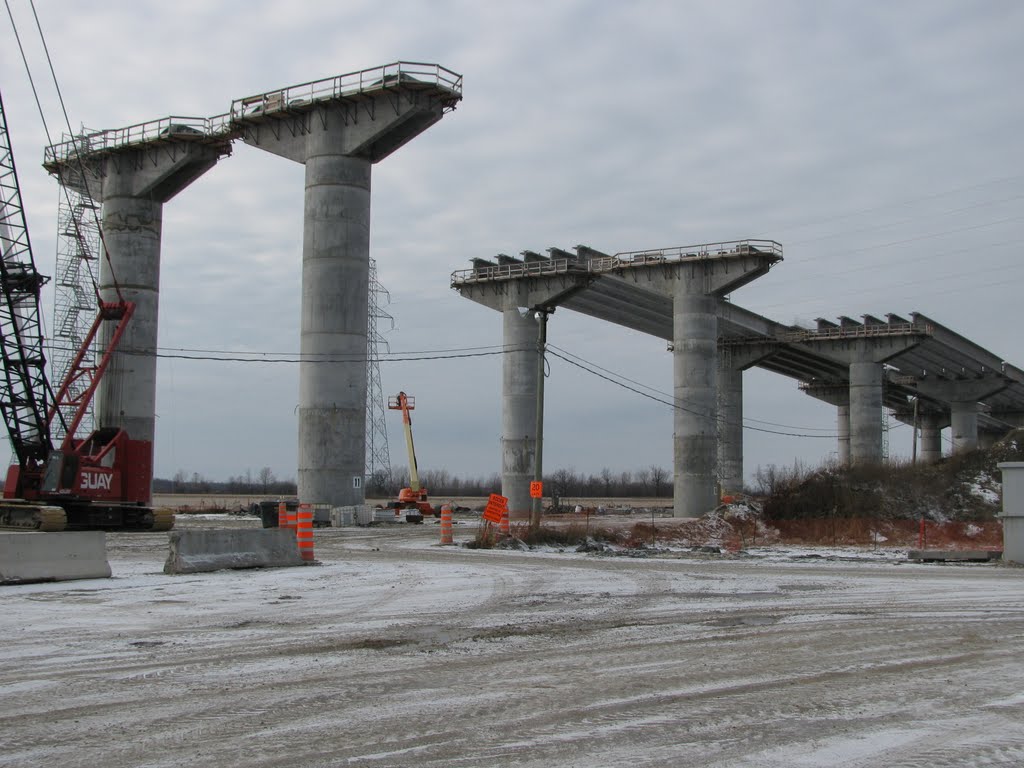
(446, 524)
(304, 532)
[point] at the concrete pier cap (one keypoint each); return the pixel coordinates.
(338, 128)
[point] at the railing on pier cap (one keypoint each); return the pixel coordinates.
(351, 84)
(175, 126)
(686, 253)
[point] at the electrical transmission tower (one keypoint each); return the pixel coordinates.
(378, 458)
(74, 302)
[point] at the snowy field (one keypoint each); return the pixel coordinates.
(397, 652)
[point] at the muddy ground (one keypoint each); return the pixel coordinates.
(397, 652)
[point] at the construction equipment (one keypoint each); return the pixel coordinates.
(412, 501)
(100, 482)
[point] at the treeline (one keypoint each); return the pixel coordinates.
(262, 482)
(651, 481)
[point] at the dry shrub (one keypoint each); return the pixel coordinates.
(892, 533)
(572, 535)
(486, 537)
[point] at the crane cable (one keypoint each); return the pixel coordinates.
(49, 141)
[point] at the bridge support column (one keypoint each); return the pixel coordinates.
(518, 407)
(126, 395)
(730, 425)
(338, 141)
(964, 426)
(335, 296)
(963, 396)
(988, 439)
(695, 441)
(931, 437)
(865, 412)
(843, 430)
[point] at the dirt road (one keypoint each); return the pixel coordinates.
(396, 652)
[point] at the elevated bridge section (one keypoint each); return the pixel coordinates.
(922, 371)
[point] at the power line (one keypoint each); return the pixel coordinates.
(888, 206)
(676, 405)
(666, 394)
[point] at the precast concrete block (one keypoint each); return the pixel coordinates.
(1013, 511)
(217, 550)
(29, 557)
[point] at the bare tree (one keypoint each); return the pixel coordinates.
(644, 476)
(266, 477)
(658, 477)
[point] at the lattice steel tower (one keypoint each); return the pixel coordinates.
(378, 457)
(74, 301)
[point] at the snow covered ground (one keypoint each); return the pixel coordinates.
(397, 652)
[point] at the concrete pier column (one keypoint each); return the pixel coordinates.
(843, 430)
(931, 438)
(695, 441)
(865, 412)
(964, 426)
(335, 295)
(730, 424)
(518, 407)
(132, 226)
(988, 439)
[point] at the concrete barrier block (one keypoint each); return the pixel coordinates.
(27, 557)
(954, 555)
(216, 550)
(1013, 511)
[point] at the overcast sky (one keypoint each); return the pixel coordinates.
(880, 143)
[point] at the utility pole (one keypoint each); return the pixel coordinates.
(538, 463)
(913, 453)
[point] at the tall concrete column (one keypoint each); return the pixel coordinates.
(730, 421)
(518, 407)
(338, 139)
(133, 183)
(843, 430)
(964, 426)
(865, 412)
(694, 369)
(132, 226)
(931, 436)
(988, 439)
(335, 296)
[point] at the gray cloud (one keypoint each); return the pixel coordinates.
(859, 135)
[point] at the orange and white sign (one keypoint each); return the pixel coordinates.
(496, 505)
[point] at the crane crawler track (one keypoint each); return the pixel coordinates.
(32, 517)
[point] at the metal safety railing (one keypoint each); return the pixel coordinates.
(598, 264)
(857, 332)
(546, 268)
(447, 85)
(407, 74)
(172, 127)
